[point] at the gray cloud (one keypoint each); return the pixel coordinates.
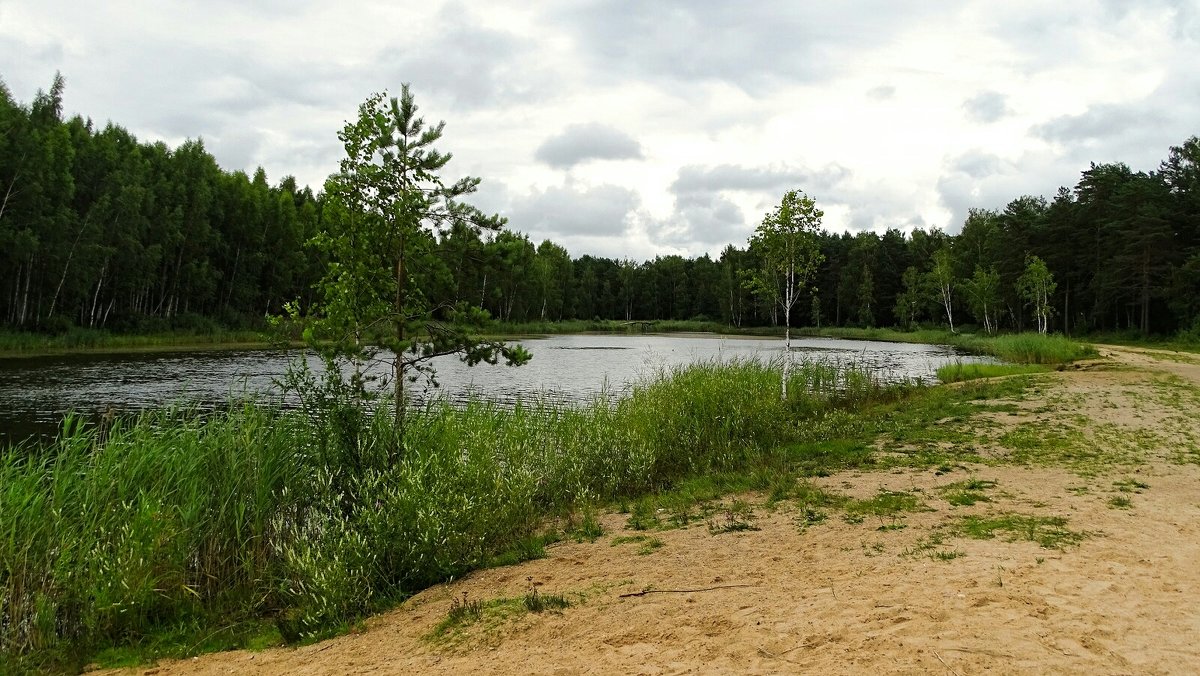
(704, 216)
(749, 45)
(468, 65)
(977, 164)
(707, 219)
(582, 142)
(977, 179)
(987, 107)
(693, 178)
(602, 210)
(881, 93)
(1098, 123)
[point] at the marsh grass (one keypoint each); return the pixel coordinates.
(1020, 348)
(15, 343)
(1031, 348)
(587, 528)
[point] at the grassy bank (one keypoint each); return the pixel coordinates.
(623, 327)
(176, 533)
(27, 344)
(1019, 348)
(1023, 348)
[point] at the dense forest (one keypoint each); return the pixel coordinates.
(100, 230)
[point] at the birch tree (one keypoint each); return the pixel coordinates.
(942, 278)
(1036, 286)
(786, 243)
(983, 295)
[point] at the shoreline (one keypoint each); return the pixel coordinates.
(1046, 540)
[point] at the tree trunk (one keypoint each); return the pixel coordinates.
(948, 303)
(1067, 309)
(1145, 319)
(67, 266)
(96, 296)
(25, 296)
(13, 182)
(237, 257)
(789, 291)
(398, 385)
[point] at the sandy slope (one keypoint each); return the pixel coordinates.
(841, 597)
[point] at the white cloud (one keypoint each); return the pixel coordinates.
(887, 115)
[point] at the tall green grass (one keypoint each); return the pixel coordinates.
(1020, 348)
(1029, 348)
(314, 517)
(83, 340)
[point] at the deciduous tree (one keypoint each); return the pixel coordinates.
(786, 243)
(1036, 286)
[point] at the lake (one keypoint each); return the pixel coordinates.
(35, 392)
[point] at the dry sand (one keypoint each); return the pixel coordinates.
(839, 597)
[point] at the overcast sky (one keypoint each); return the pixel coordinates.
(635, 128)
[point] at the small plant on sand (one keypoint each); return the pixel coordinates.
(736, 517)
(887, 506)
(588, 528)
(1050, 532)
(464, 612)
(966, 493)
(872, 550)
(536, 602)
(1130, 486)
(810, 501)
(946, 555)
(810, 516)
(886, 503)
(1120, 502)
(929, 547)
(643, 516)
(649, 544)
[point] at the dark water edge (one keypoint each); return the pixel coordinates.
(37, 392)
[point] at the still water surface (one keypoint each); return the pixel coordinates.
(36, 392)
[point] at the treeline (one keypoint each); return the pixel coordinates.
(100, 230)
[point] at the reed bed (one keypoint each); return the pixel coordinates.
(314, 517)
(1019, 348)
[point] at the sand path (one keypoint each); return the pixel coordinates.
(841, 597)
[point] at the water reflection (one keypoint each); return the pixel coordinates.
(36, 392)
